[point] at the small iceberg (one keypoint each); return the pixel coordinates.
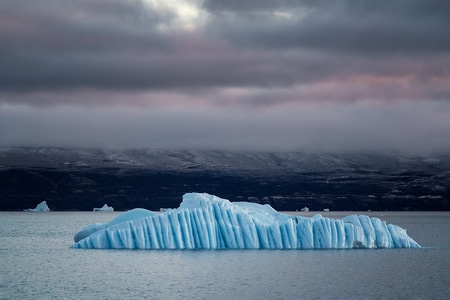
(104, 208)
(205, 221)
(41, 207)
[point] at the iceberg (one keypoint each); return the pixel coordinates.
(104, 208)
(133, 214)
(205, 221)
(41, 207)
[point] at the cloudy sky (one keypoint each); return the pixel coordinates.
(272, 75)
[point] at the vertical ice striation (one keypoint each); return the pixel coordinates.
(205, 221)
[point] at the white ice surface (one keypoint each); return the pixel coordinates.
(205, 221)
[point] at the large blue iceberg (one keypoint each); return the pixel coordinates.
(205, 221)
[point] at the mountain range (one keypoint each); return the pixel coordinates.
(81, 179)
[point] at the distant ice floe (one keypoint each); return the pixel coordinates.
(205, 221)
(104, 208)
(41, 207)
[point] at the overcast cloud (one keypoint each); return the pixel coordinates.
(362, 75)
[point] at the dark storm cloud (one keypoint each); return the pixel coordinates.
(57, 44)
(50, 45)
(49, 27)
(356, 27)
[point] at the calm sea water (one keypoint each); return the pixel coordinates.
(37, 263)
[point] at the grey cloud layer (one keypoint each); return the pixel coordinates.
(52, 45)
(315, 75)
(318, 128)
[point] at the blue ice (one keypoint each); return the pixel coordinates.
(41, 207)
(205, 221)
